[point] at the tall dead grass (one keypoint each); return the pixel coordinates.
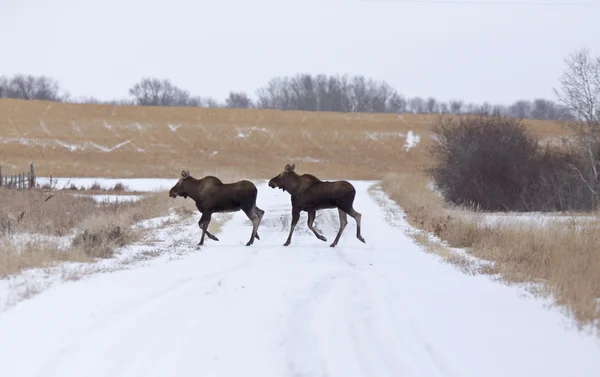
(86, 140)
(562, 257)
(38, 229)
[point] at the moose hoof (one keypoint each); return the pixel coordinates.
(333, 244)
(322, 238)
(256, 236)
(361, 239)
(248, 243)
(286, 244)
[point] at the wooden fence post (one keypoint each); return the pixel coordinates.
(32, 182)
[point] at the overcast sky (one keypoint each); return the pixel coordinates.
(474, 52)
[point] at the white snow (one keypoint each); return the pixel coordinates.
(412, 140)
(247, 131)
(384, 308)
(174, 128)
(132, 184)
(112, 198)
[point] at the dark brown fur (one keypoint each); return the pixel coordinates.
(212, 196)
(310, 194)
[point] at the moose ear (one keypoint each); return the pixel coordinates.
(292, 167)
(287, 167)
(185, 173)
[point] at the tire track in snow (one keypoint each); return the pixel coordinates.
(128, 312)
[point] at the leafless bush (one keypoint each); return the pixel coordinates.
(494, 163)
(101, 240)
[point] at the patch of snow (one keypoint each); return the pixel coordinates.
(132, 184)
(246, 132)
(307, 159)
(412, 140)
(106, 149)
(134, 126)
(174, 128)
(382, 135)
(23, 141)
(71, 147)
(112, 198)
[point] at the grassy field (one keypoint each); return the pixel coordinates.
(108, 141)
(77, 140)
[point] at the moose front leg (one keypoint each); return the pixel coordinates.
(295, 218)
(203, 224)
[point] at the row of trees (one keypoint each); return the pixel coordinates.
(495, 163)
(321, 92)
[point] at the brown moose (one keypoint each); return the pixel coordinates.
(213, 196)
(310, 194)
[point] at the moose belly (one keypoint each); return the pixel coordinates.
(314, 205)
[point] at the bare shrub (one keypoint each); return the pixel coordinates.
(101, 240)
(119, 187)
(496, 164)
(482, 160)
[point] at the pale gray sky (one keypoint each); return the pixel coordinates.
(473, 52)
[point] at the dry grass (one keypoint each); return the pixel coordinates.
(38, 229)
(71, 140)
(563, 256)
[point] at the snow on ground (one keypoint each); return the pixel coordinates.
(132, 184)
(112, 198)
(384, 308)
(412, 140)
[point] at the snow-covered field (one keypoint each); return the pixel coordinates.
(384, 308)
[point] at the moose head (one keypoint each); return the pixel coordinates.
(179, 189)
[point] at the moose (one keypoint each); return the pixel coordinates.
(213, 196)
(309, 193)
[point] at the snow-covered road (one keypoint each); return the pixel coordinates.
(384, 308)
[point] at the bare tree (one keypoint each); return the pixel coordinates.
(238, 100)
(155, 92)
(31, 87)
(456, 107)
(580, 92)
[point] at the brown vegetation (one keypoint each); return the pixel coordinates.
(39, 228)
(66, 140)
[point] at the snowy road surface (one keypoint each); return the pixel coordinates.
(379, 309)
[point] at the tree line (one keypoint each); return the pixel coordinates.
(340, 93)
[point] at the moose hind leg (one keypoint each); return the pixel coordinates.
(255, 220)
(311, 219)
(343, 223)
(260, 213)
(357, 216)
(208, 234)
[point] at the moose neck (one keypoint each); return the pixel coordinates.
(191, 186)
(294, 184)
